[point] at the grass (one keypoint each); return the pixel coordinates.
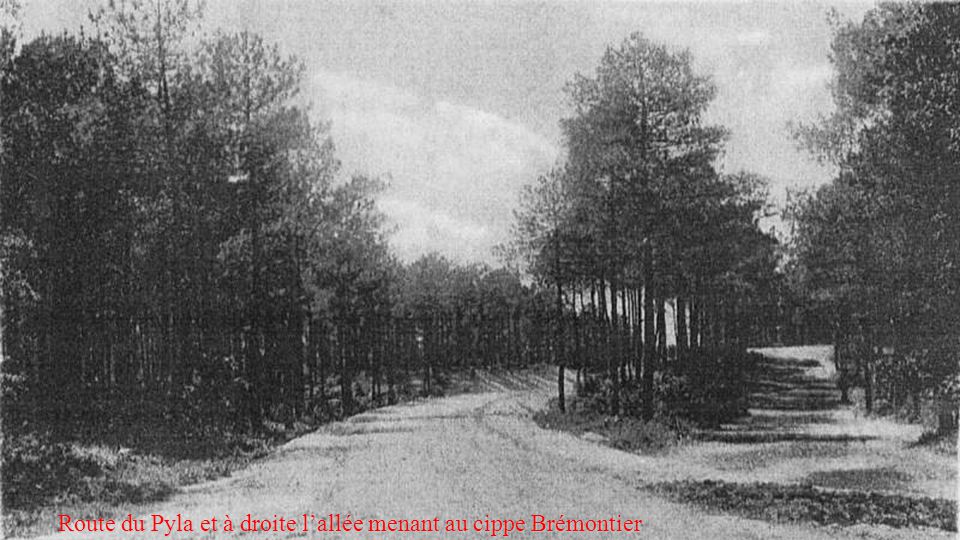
(864, 478)
(90, 481)
(745, 458)
(792, 503)
(941, 443)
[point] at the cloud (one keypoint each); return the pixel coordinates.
(754, 38)
(758, 106)
(801, 79)
(455, 171)
(421, 229)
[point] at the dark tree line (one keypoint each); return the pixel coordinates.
(876, 252)
(639, 217)
(170, 214)
(181, 248)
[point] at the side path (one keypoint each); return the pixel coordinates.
(797, 432)
(466, 456)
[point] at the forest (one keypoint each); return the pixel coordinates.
(185, 260)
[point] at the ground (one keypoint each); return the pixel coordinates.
(479, 454)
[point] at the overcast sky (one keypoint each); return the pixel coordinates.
(459, 103)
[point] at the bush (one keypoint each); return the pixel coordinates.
(708, 389)
(633, 434)
(624, 433)
(594, 394)
(36, 469)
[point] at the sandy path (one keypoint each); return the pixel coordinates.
(465, 456)
(803, 435)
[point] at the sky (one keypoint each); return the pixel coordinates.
(457, 104)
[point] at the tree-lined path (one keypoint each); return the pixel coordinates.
(799, 432)
(481, 453)
(198, 274)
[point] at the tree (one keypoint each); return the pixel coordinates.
(183, 237)
(633, 139)
(542, 235)
(639, 217)
(894, 139)
(9, 10)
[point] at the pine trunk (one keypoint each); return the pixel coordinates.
(649, 340)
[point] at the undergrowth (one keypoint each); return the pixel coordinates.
(133, 457)
(792, 503)
(43, 476)
(708, 388)
(941, 443)
(624, 433)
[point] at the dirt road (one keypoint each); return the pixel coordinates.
(466, 456)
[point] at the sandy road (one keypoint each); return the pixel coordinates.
(466, 456)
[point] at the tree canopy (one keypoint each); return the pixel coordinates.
(877, 248)
(639, 215)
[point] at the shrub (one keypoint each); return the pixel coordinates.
(35, 468)
(624, 433)
(709, 389)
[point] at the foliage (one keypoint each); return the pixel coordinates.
(711, 389)
(638, 217)
(92, 480)
(876, 251)
(623, 433)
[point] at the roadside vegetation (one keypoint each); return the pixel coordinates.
(941, 442)
(779, 502)
(88, 478)
(48, 477)
(692, 399)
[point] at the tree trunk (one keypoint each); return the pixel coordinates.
(694, 322)
(661, 328)
(868, 360)
(681, 325)
(638, 332)
(558, 349)
(839, 362)
(947, 414)
(613, 365)
(649, 343)
(625, 334)
(346, 381)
